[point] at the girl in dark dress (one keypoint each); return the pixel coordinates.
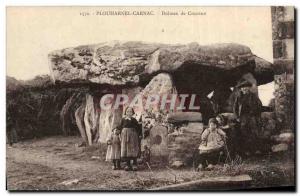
(131, 133)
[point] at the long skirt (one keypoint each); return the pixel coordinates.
(129, 143)
(248, 135)
(113, 152)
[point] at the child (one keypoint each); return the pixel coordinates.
(114, 149)
(131, 133)
(212, 144)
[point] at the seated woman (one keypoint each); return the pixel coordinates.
(211, 147)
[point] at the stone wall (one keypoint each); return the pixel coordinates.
(283, 54)
(185, 138)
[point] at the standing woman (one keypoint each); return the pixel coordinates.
(131, 133)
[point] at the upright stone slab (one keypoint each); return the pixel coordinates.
(161, 85)
(91, 117)
(109, 119)
(159, 141)
(132, 93)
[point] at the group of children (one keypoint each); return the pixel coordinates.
(124, 143)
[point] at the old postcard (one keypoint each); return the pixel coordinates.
(150, 98)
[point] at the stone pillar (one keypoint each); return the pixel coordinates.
(283, 54)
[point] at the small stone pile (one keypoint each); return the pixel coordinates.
(185, 139)
(284, 141)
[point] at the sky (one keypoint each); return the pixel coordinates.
(33, 32)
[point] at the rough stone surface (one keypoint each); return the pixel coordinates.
(125, 63)
(160, 85)
(277, 49)
(268, 120)
(289, 13)
(108, 120)
(79, 116)
(263, 74)
(159, 141)
(91, 117)
(210, 183)
(177, 164)
(195, 127)
(284, 101)
(182, 145)
(287, 138)
(179, 117)
(283, 66)
(280, 147)
(282, 22)
(283, 29)
(289, 48)
(132, 93)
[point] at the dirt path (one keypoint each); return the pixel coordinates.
(44, 164)
(54, 159)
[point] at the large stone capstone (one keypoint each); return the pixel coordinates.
(117, 63)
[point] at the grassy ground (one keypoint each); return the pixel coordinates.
(44, 164)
